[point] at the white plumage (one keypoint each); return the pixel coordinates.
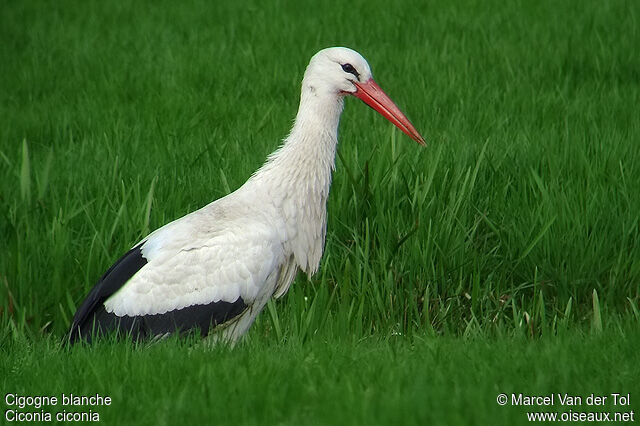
(246, 247)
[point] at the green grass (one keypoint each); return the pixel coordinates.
(514, 232)
(376, 381)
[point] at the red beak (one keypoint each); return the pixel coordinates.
(375, 97)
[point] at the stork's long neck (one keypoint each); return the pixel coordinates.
(298, 175)
(310, 148)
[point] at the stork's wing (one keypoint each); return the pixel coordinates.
(180, 278)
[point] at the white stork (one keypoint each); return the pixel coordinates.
(218, 266)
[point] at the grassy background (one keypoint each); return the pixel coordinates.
(392, 381)
(520, 221)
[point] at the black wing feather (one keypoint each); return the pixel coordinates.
(111, 281)
(196, 318)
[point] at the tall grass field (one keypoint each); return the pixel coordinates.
(502, 259)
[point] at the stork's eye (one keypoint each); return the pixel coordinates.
(351, 70)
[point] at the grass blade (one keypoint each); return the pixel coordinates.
(25, 173)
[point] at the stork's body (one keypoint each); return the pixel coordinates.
(218, 266)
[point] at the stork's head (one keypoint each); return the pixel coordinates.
(342, 71)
